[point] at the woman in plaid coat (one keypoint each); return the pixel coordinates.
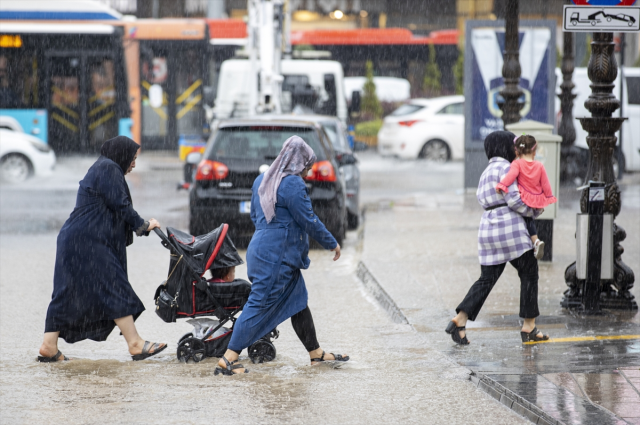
(502, 238)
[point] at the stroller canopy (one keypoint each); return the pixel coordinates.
(211, 251)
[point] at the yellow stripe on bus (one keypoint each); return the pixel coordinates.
(586, 338)
(158, 111)
(101, 107)
(64, 122)
(193, 102)
(97, 95)
(102, 120)
(68, 97)
(185, 94)
(66, 110)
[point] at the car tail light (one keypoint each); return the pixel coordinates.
(322, 171)
(211, 170)
(408, 123)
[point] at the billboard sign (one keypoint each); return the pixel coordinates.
(485, 41)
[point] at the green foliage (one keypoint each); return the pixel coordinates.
(431, 82)
(458, 72)
(587, 56)
(303, 47)
(637, 62)
(368, 128)
(370, 104)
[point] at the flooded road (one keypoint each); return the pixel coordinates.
(394, 377)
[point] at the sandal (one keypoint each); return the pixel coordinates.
(53, 359)
(533, 336)
(454, 330)
(230, 368)
(146, 348)
(338, 358)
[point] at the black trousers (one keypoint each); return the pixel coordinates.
(305, 329)
(527, 267)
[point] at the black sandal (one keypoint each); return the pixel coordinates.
(53, 358)
(454, 330)
(533, 336)
(338, 358)
(230, 368)
(146, 348)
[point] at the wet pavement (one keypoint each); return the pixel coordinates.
(396, 375)
(420, 258)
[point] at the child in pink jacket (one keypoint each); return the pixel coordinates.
(533, 183)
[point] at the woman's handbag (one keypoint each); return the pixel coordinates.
(166, 305)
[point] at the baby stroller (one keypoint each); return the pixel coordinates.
(187, 294)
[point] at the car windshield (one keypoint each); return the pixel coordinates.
(262, 142)
(332, 129)
(407, 109)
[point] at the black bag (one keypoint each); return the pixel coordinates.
(166, 305)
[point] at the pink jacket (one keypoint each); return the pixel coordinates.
(533, 183)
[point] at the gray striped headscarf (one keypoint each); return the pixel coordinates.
(294, 157)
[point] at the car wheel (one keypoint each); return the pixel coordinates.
(435, 150)
(15, 168)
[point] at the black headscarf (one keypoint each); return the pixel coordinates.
(120, 150)
(500, 143)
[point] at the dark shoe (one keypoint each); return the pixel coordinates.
(533, 336)
(454, 330)
(228, 371)
(146, 348)
(338, 358)
(53, 359)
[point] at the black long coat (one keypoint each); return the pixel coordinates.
(90, 283)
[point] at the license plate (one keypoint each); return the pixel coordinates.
(245, 207)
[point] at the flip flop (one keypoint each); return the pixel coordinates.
(338, 358)
(146, 348)
(229, 370)
(53, 358)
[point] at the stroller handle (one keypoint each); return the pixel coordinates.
(163, 237)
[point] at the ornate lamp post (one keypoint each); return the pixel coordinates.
(601, 139)
(511, 67)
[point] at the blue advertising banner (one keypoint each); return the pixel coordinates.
(485, 43)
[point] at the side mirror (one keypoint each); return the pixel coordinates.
(355, 102)
(346, 158)
(209, 95)
(194, 158)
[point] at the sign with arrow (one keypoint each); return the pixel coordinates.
(601, 19)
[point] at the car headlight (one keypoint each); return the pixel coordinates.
(40, 146)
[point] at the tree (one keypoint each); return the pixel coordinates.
(431, 82)
(458, 72)
(370, 103)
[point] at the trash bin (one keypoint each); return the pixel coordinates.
(547, 152)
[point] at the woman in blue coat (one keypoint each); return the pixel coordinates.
(91, 290)
(282, 213)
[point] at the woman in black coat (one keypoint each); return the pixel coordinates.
(91, 290)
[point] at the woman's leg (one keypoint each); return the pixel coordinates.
(130, 333)
(304, 327)
(527, 267)
(477, 295)
(49, 347)
(530, 223)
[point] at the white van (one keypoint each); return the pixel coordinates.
(315, 86)
(630, 106)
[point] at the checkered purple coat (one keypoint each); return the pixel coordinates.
(502, 235)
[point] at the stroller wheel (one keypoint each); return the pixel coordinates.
(191, 349)
(262, 351)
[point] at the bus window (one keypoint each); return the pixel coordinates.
(64, 130)
(18, 80)
(154, 71)
(101, 111)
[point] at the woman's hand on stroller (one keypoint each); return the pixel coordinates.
(153, 223)
(337, 251)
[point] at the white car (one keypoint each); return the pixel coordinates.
(23, 155)
(425, 128)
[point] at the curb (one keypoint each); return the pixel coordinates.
(378, 292)
(512, 400)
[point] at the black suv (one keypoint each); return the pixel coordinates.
(238, 151)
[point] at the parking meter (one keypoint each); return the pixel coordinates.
(594, 243)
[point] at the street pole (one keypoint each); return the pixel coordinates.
(511, 67)
(566, 128)
(601, 128)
